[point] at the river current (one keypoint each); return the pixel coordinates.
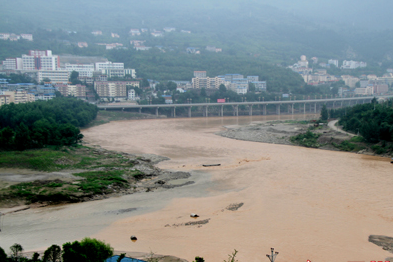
(306, 203)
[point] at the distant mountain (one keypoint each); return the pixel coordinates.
(279, 30)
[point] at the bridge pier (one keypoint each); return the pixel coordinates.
(293, 109)
(278, 109)
(264, 110)
(189, 111)
(341, 104)
(222, 110)
(157, 111)
(315, 108)
(206, 111)
(235, 110)
(140, 110)
(304, 110)
(250, 110)
(174, 112)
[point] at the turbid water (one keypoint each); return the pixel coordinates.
(306, 203)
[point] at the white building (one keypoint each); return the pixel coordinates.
(131, 94)
(59, 76)
(13, 64)
(352, 64)
(40, 60)
(333, 62)
(118, 72)
(108, 65)
(84, 70)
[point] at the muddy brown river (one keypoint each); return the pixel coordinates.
(306, 203)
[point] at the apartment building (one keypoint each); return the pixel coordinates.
(111, 89)
(207, 82)
(200, 74)
(79, 91)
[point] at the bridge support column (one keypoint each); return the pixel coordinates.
(222, 110)
(289, 109)
(278, 110)
(140, 110)
(206, 111)
(157, 111)
(264, 110)
(334, 103)
(250, 111)
(304, 110)
(341, 104)
(293, 108)
(122, 109)
(174, 112)
(189, 111)
(236, 110)
(315, 108)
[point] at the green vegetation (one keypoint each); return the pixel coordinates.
(87, 250)
(348, 146)
(308, 139)
(373, 121)
(42, 123)
(324, 113)
(104, 172)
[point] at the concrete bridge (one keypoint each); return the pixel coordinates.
(289, 106)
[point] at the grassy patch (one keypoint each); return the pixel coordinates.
(38, 159)
(348, 146)
(308, 139)
(98, 182)
(357, 139)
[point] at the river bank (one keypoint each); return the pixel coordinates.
(330, 137)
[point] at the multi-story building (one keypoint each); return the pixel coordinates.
(5, 99)
(111, 89)
(59, 76)
(28, 37)
(350, 80)
(207, 82)
(333, 62)
(108, 65)
(259, 85)
(352, 64)
(200, 74)
(118, 72)
(79, 91)
(40, 60)
(23, 96)
(12, 64)
(131, 94)
(364, 91)
(84, 70)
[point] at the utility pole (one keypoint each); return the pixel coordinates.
(273, 255)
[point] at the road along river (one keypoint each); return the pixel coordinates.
(306, 203)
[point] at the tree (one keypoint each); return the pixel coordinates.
(74, 78)
(35, 257)
(324, 113)
(171, 86)
(122, 255)
(52, 254)
(95, 250)
(222, 88)
(16, 250)
(3, 255)
(251, 87)
(199, 259)
(231, 257)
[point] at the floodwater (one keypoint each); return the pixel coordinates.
(306, 203)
